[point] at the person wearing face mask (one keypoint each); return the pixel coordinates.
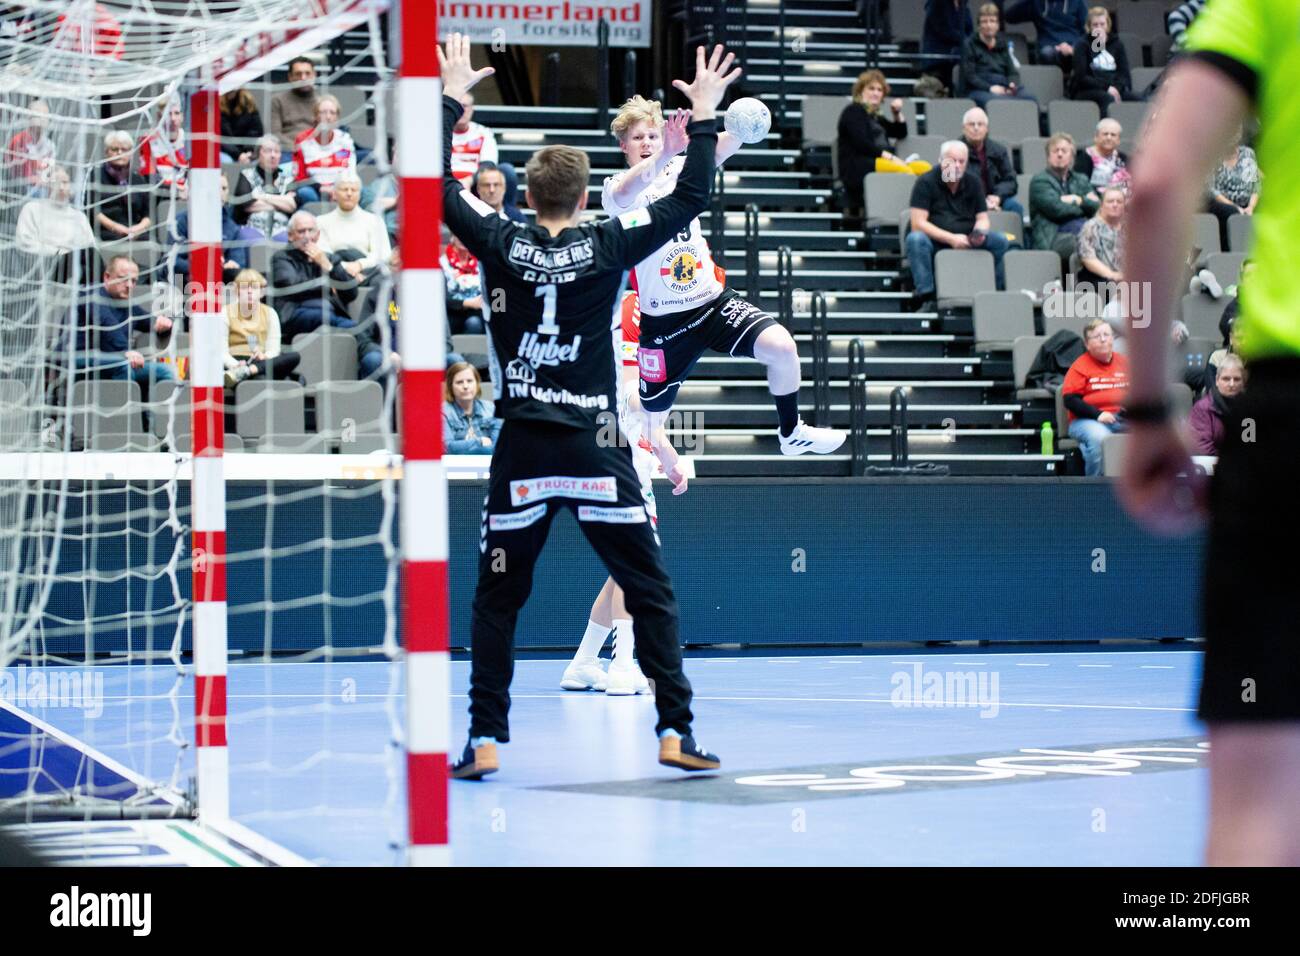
(322, 153)
(865, 137)
(358, 236)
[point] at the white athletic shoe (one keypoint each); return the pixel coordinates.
(626, 681)
(819, 441)
(585, 675)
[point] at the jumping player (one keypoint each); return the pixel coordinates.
(685, 305)
(559, 282)
(609, 610)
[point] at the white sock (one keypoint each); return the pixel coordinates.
(592, 642)
(622, 642)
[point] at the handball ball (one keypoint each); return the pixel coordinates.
(748, 120)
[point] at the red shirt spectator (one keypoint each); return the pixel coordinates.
(471, 144)
(106, 34)
(320, 154)
(30, 151)
(1103, 385)
(163, 154)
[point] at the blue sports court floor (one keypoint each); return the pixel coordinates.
(803, 741)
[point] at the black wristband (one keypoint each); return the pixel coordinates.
(1147, 413)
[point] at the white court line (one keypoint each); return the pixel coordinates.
(1027, 664)
(1094, 665)
(1156, 667)
(874, 700)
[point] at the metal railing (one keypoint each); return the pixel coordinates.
(718, 219)
(821, 356)
(898, 427)
(602, 73)
(857, 408)
(753, 286)
(785, 287)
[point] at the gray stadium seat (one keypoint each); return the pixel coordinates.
(19, 429)
(1201, 314)
(162, 406)
(1000, 319)
(1144, 76)
(345, 410)
(1010, 121)
(1079, 118)
(1033, 156)
(926, 147)
(1239, 227)
(1161, 46)
(887, 195)
(943, 117)
(1130, 117)
(1008, 222)
(269, 408)
(820, 118)
(1146, 18)
(1205, 236)
(260, 255)
(105, 407)
(1022, 189)
(1112, 454)
(1058, 315)
(1064, 442)
(489, 392)
(906, 21)
(1180, 400)
(1024, 349)
(352, 103)
(1134, 46)
(959, 274)
(1030, 269)
(326, 356)
(1044, 83)
(1226, 266)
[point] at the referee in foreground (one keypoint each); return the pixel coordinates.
(1243, 56)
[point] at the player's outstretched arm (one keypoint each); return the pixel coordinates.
(474, 222)
(712, 77)
(458, 74)
(728, 146)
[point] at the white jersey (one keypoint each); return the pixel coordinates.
(681, 274)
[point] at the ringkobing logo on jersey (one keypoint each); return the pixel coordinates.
(680, 269)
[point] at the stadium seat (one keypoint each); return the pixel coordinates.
(1064, 442)
(1079, 118)
(345, 410)
(1239, 227)
(1023, 352)
(959, 274)
(1000, 319)
(352, 103)
(1009, 223)
(1201, 314)
(1059, 314)
(1226, 266)
(1033, 156)
(18, 424)
(1022, 189)
(105, 407)
(1129, 115)
(1144, 76)
(1112, 454)
(820, 117)
(887, 195)
(943, 117)
(266, 408)
(260, 255)
(1044, 83)
(1134, 46)
(1146, 18)
(926, 147)
(326, 356)
(1161, 46)
(1031, 269)
(1010, 121)
(906, 21)
(1205, 236)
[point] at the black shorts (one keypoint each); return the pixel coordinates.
(1252, 622)
(671, 344)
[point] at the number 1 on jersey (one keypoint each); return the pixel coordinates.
(548, 326)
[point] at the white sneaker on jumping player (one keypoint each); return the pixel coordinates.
(626, 681)
(819, 441)
(583, 675)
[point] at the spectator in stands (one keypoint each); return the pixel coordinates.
(1180, 18)
(1101, 241)
(490, 186)
(1104, 163)
(864, 137)
(29, 152)
(380, 197)
(251, 331)
(991, 162)
(105, 38)
(1235, 186)
(1094, 391)
(471, 143)
(293, 111)
(1206, 421)
(108, 319)
(233, 248)
(988, 65)
(369, 332)
(162, 154)
(949, 210)
(468, 423)
(119, 198)
(311, 288)
(1060, 200)
(241, 127)
(947, 25)
(464, 287)
(322, 153)
(1101, 71)
(1060, 24)
(359, 237)
(52, 227)
(264, 199)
